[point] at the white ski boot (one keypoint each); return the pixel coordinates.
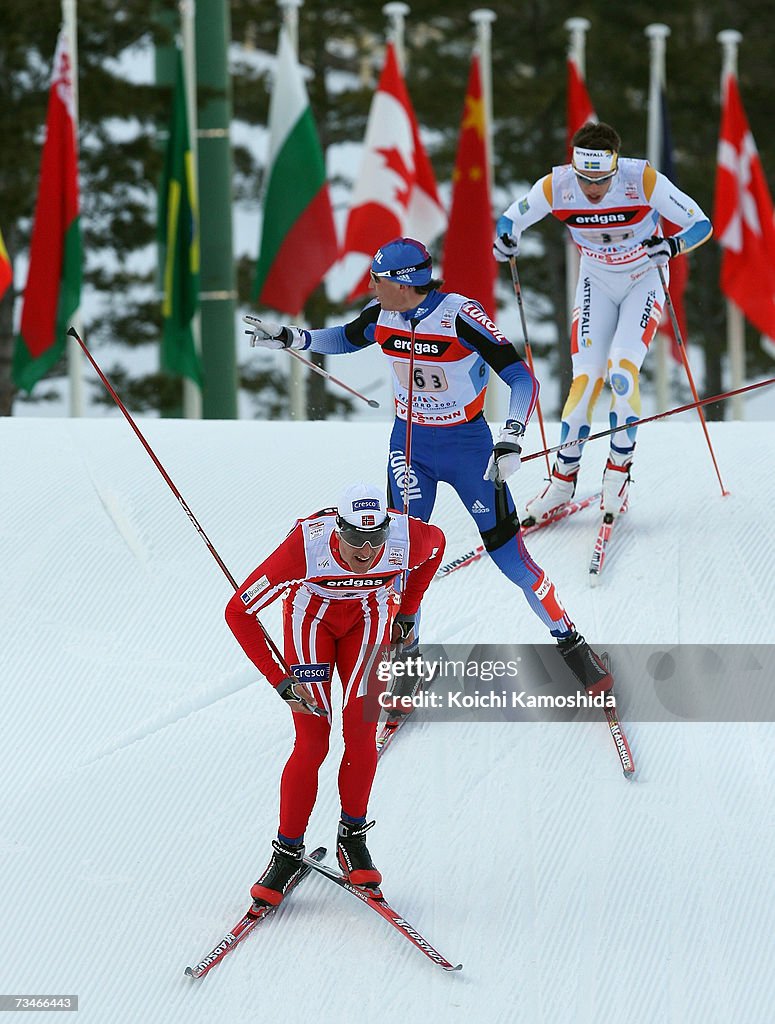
(558, 492)
(616, 486)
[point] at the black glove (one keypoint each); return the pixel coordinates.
(286, 688)
(662, 250)
(403, 627)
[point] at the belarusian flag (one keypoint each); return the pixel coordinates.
(6, 274)
(298, 238)
(178, 233)
(53, 289)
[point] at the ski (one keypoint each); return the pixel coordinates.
(601, 548)
(248, 922)
(377, 902)
(569, 509)
(617, 733)
(387, 731)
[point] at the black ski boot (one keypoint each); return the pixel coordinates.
(586, 666)
(354, 857)
(281, 871)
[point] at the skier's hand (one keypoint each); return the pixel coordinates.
(299, 696)
(403, 631)
(268, 334)
(661, 250)
(506, 244)
(505, 459)
(504, 247)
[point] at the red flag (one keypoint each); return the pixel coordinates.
(6, 274)
(743, 217)
(53, 289)
(580, 109)
(469, 266)
(395, 193)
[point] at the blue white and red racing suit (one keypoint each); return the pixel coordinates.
(455, 347)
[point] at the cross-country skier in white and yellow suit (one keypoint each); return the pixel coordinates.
(611, 205)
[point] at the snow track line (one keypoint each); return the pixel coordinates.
(164, 722)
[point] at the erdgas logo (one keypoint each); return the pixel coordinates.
(357, 582)
(421, 348)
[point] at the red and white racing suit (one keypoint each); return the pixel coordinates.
(332, 617)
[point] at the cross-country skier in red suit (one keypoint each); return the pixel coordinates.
(338, 574)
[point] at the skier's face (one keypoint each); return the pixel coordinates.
(359, 560)
(595, 184)
(393, 296)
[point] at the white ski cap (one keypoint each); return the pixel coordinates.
(363, 505)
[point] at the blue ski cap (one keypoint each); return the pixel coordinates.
(404, 260)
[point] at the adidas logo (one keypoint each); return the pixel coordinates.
(478, 508)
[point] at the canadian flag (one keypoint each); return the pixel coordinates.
(395, 193)
(579, 106)
(743, 217)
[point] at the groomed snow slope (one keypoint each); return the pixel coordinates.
(141, 755)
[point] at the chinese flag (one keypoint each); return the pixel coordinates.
(743, 217)
(469, 266)
(580, 109)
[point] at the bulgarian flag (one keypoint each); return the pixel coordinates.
(298, 237)
(53, 289)
(6, 275)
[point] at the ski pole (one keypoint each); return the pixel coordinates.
(194, 521)
(651, 419)
(685, 360)
(334, 380)
(528, 350)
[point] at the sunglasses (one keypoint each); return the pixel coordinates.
(359, 538)
(595, 181)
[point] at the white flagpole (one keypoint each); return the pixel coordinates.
(192, 395)
(298, 381)
(495, 401)
(578, 28)
(396, 13)
(657, 34)
(74, 354)
(730, 40)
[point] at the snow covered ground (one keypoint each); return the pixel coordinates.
(141, 755)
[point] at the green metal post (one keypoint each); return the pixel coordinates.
(218, 282)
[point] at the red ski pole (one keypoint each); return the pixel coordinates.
(685, 360)
(651, 419)
(194, 521)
